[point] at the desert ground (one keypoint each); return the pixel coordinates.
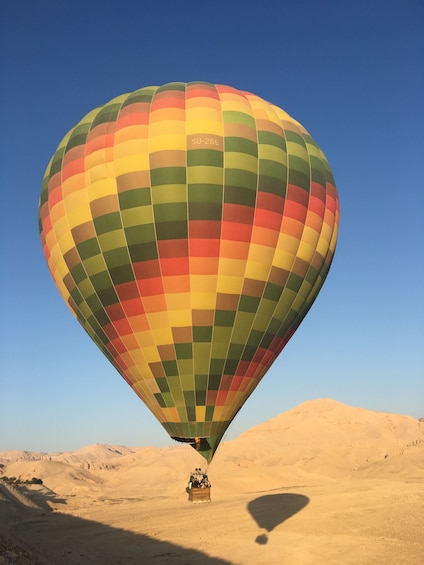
(323, 483)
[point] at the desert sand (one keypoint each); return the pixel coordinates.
(323, 483)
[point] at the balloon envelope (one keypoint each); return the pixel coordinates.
(189, 228)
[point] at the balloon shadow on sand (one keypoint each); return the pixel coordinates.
(271, 510)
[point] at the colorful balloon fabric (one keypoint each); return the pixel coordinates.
(189, 228)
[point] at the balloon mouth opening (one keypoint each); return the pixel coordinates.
(198, 443)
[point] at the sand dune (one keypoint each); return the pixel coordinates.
(321, 483)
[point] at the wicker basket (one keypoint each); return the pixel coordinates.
(198, 495)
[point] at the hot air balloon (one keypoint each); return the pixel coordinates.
(189, 228)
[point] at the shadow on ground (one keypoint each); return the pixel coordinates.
(271, 510)
(34, 536)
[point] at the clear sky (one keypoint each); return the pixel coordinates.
(351, 72)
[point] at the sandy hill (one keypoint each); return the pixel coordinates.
(318, 440)
(321, 483)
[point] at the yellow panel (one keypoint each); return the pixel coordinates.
(112, 239)
(299, 301)
(132, 163)
(101, 187)
(198, 112)
(167, 193)
(76, 182)
(94, 265)
(185, 367)
(283, 260)
(203, 300)
(203, 283)
(178, 301)
(75, 200)
(199, 126)
(200, 413)
(179, 318)
(201, 354)
(287, 243)
(297, 150)
(57, 213)
(65, 239)
(272, 153)
(167, 141)
(233, 267)
(258, 271)
(96, 159)
(136, 133)
(306, 251)
(243, 161)
(201, 174)
(137, 216)
(261, 254)
(78, 216)
(85, 310)
(144, 338)
(230, 285)
(310, 236)
(151, 354)
(86, 288)
(217, 414)
(166, 115)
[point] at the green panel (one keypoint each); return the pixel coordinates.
(273, 291)
(173, 212)
(108, 113)
(88, 248)
(205, 157)
(273, 185)
(231, 116)
(201, 382)
(133, 198)
(168, 175)
(117, 257)
(108, 296)
(214, 382)
(170, 368)
(239, 195)
(200, 398)
(294, 137)
(241, 145)
(216, 366)
(162, 384)
(255, 338)
(101, 280)
(159, 400)
(273, 169)
(172, 230)
(140, 234)
(224, 318)
(235, 351)
(143, 251)
(270, 138)
(299, 179)
(241, 178)
(294, 282)
(204, 211)
(202, 333)
(205, 193)
(184, 350)
(249, 303)
(121, 274)
(78, 273)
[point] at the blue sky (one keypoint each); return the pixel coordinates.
(350, 72)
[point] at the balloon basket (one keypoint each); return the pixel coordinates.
(199, 495)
